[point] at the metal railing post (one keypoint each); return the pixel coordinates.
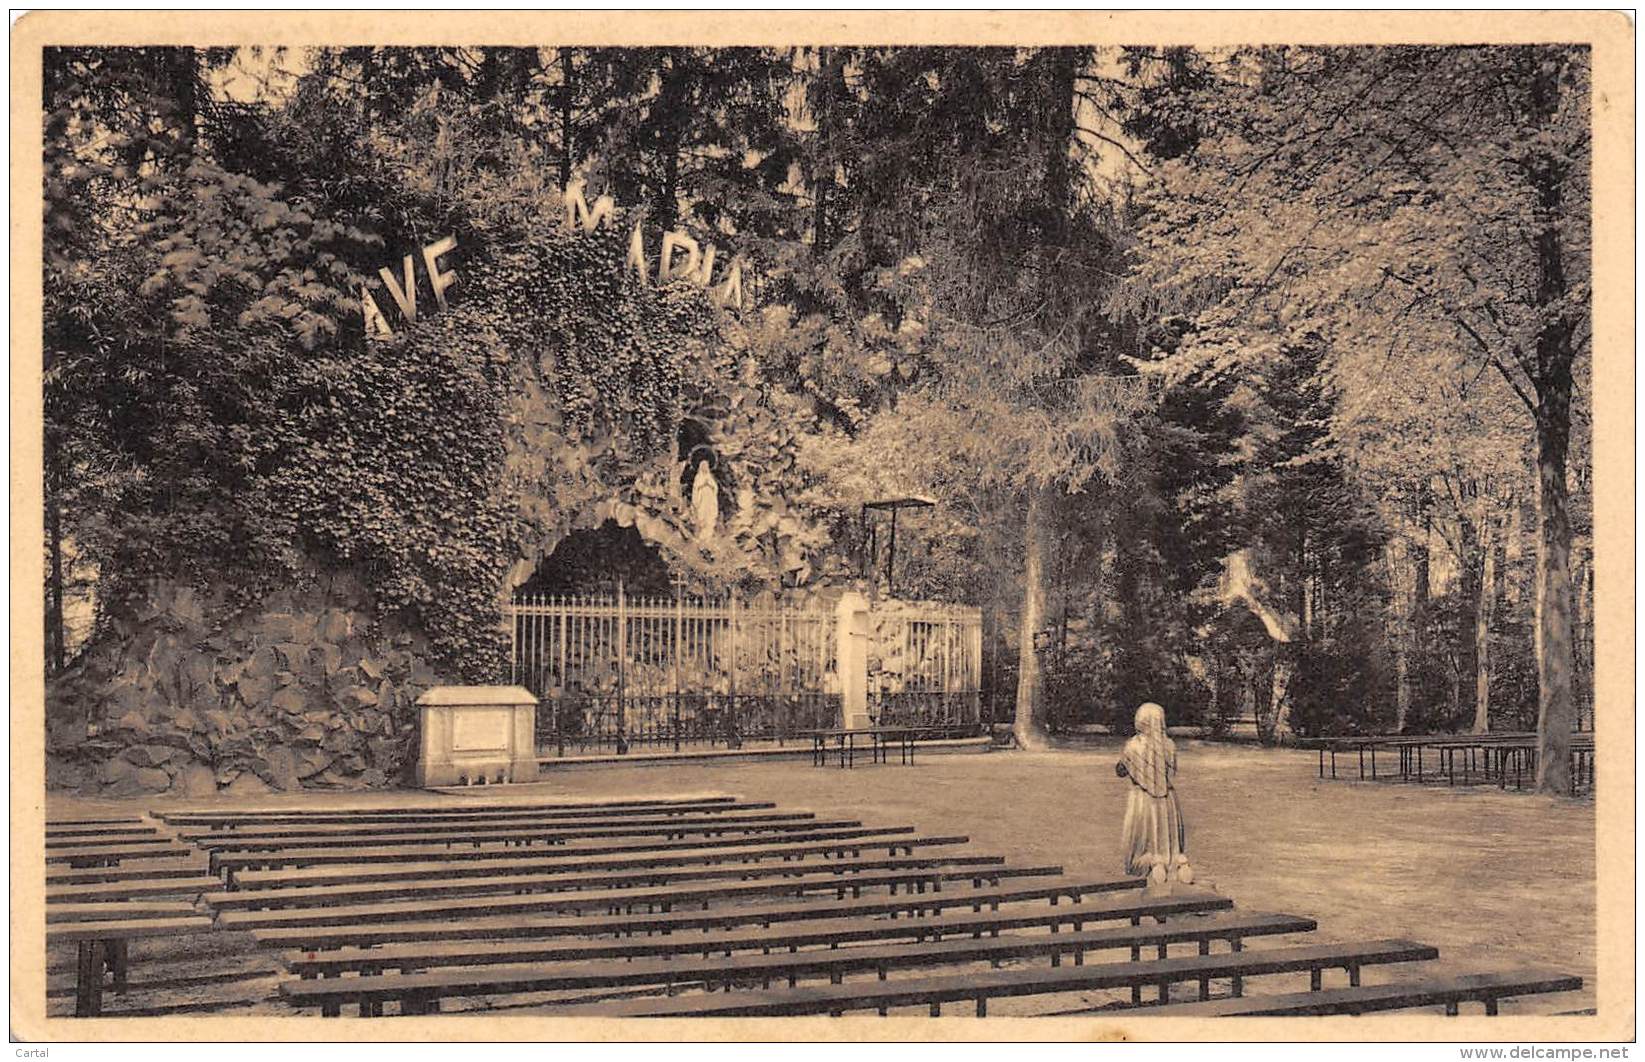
(731, 675)
(622, 670)
(678, 647)
(564, 685)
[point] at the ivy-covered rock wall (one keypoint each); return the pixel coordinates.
(436, 466)
(187, 697)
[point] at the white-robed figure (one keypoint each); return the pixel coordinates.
(1154, 836)
(705, 502)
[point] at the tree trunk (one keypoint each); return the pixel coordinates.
(1423, 553)
(184, 75)
(831, 72)
(1059, 135)
(1399, 581)
(1402, 673)
(568, 91)
(1260, 677)
(1583, 587)
(671, 104)
(1555, 704)
(1556, 707)
(1280, 696)
(1029, 729)
(54, 614)
(1483, 612)
(1470, 570)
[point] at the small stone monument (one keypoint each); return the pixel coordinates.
(477, 735)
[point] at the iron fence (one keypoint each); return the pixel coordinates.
(924, 666)
(614, 672)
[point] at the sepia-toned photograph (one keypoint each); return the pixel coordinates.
(1124, 522)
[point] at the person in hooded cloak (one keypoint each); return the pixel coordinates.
(1154, 836)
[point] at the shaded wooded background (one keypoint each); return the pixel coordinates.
(1252, 382)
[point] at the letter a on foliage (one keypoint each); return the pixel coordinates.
(636, 256)
(731, 292)
(375, 324)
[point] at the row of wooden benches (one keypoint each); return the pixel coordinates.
(1489, 756)
(114, 881)
(156, 881)
(514, 903)
(413, 946)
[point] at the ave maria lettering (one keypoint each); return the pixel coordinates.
(681, 259)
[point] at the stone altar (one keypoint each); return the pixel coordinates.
(477, 735)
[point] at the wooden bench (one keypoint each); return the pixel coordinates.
(123, 841)
(451, 824)
(522, 835)
(190, 866)
(438, 885)
(1450, 992)
(113, 910)
(105, 891)
(102, 855)
(459, 808)
(234, 862)
(1133, 907)
(845, 739)
(979, 988)
(1498, 748)
(114, 833)
(909, 881)
(924, 909)
(419, 993)
(542, 862)
(105, 946)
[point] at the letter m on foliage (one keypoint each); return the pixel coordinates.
(577, 211)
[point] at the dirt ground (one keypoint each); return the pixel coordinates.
(1493, 879)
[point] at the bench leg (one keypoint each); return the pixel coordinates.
(119, 958)
(88, 986)
(1490, 1006)
(1450, 1010)
(1315, 976)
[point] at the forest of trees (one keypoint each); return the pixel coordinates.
(1251, 381)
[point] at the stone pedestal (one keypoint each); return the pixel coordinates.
(851, 659)
(477, 734)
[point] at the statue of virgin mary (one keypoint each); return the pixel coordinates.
(705, 502)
